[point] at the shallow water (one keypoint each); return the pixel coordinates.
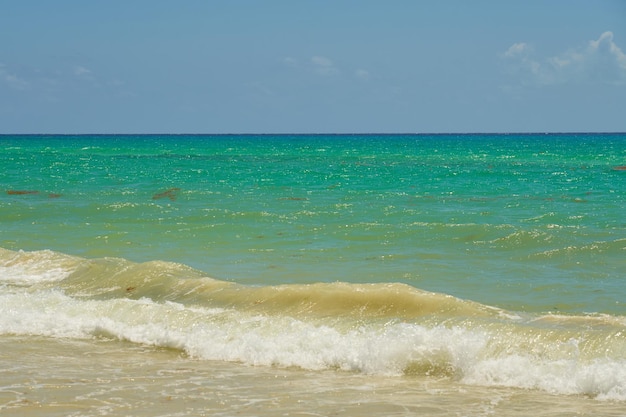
(328, 275)
(60, 377)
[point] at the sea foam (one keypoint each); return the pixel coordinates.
(471, 355)
(373, 329)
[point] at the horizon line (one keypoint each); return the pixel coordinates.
(323, 133)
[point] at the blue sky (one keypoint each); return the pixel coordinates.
(235, 66)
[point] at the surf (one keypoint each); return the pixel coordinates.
(372, 329)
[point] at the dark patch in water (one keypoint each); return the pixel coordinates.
(22, 192)
(170, 193)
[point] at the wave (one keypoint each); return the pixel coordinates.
(380, 329)
(612, 247)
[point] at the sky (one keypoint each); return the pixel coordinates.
(289, 66)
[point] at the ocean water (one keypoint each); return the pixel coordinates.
(173, 275)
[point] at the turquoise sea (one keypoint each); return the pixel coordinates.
(437, 275)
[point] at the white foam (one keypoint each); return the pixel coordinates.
(603, 378)
(25, 268)
(466, 354)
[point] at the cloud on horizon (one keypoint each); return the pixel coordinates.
(12, 80)
(601, 61)
(325, 67)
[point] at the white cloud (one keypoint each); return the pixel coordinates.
(12, 80)
(322, 61)
(605, 46)
(81, 71)
(116, 83)
(518, 49)
(55, 84)
(600, 61)
(289, 61)
(323, 65)
(362, 74)
(606, 60)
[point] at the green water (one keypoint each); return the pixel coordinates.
(351, 274)
(523, 222)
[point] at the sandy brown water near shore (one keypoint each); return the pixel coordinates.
(94, 377)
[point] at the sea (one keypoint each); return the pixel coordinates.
(313, 275)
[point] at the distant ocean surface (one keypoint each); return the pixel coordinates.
(339, 275)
